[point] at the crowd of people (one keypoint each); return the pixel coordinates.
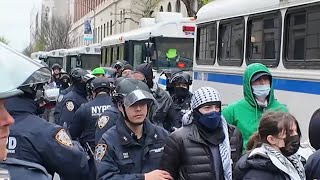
(116, 123)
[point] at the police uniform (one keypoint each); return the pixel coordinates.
(120, 155)
(59, 105)
(83, 124)
(106, 121)
(69, 105)
(178, 109)
(35, 140)
(24, 170)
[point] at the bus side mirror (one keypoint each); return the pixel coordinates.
(149, 49)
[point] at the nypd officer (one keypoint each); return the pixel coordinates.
(73, 100)
(133, 147)
(83, 124)
(19, 169)
(181, 100)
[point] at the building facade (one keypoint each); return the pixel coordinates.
(109, 17)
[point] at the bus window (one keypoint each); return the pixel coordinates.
(109, 62)
(73, 62)
(137, 54)
(263, 44)
(121, 51)
(231, 35)
(118, 53)
(302, 33)
(174, 53)
(206, 44)
(90, 61)
(103, 57)
(114, 58)
(54, 60)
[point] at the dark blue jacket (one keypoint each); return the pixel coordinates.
(59, 105)
(126, 157)
(106, 121)
(24, 170)
(69, 105)
(35, 140)
(84, 121)
(313, 166)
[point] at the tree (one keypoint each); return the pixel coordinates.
(189, 6)
(144, 8)
(28, 50)
(54, 34)
(4, 40)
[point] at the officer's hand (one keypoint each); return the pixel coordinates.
(158, 175)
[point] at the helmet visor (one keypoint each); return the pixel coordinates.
(137, 95)
(18, 70)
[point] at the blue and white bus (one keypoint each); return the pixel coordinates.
(282, 34)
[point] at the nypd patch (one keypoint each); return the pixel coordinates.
(100, 151)
(103, 120)
(63, 138)
(70, 105)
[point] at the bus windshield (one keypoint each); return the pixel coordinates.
(54, 60)
(90, 61)
(174, 53)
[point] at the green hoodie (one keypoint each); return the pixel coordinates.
(245, 113)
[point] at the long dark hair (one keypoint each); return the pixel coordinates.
(272, 123)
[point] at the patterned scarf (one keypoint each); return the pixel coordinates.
(224, 147)
(290, 165)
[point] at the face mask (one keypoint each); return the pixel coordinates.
(292, 144)
(261, 91)
(181, 92)
(211, 120)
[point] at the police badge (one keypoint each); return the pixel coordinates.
(70, 105)
(103, 120)
(63, 138)
(100, 151)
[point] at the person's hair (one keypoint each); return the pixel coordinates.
(272, 123)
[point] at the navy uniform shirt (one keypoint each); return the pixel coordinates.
(120, 155)
(35, 140)
(59, 105)
(85, 119)
(106, 121)
(70, 104)
(178, 109)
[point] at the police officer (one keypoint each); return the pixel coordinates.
(169, 73)
(181, 100)
(119, 67)
(18, 169)
(133, 147)
(85, 118)
(164, 100)
(73, 100)
(33, 142)
(56, 69)
(65, 81)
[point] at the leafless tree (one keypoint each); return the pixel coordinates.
(4, 40)
(54, 34)
(143, 8)
(28, 50)
(190, 8)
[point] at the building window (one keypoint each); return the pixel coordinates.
(98, 34)
(230, 46)
(107, 28)
(178, 6)
(161, 9)
(104, 30)
(101, 36)
(206, 44)
(303, 38)
(169, 9)
(111, 27)
(263, 43)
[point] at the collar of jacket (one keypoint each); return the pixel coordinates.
(126, 135)
(195, 136)
(20, 105)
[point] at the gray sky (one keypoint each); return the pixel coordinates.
(15, 21)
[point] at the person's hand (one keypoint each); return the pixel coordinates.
(158, 175)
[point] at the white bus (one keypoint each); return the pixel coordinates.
(282, 34)
(86, 57)
(167, 35)
(40, 55)
(54, 57)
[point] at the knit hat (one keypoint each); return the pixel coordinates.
(204, 95)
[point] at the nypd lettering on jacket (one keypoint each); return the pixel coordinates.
(11, 145)
(98, 110)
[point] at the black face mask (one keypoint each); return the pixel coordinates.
(292, 144)
(181, 92)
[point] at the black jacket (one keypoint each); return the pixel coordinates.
(313, 166)
(257, 167)
(187, 155)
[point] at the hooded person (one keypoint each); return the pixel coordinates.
(203, 147)
(164, 100)
(258, 97)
